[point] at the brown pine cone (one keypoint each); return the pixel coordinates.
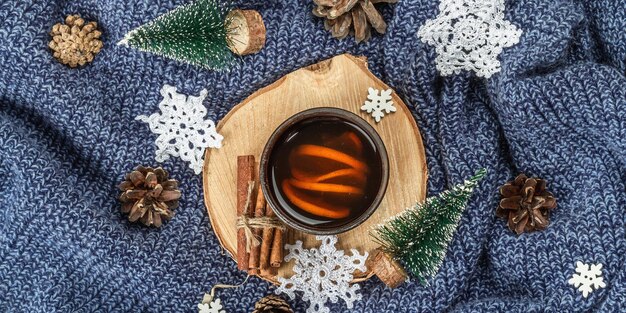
(272, 304)
(526, 204)
(75, 43)
(358, 17)
(149, 196)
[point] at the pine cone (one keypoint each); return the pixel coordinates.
(149, 196)
(351, 16)
(272, 304)
(526, 204)
(75, 43)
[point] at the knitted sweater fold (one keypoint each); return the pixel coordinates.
(556, 110)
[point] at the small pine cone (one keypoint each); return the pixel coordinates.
(526, 204)
(75, 43)
(149, 196)
(272, 304)
(357, 17)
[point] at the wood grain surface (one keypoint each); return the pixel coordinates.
(339, 82)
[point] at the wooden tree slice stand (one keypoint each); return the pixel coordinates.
(339, 82)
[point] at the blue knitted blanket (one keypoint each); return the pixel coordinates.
(556, 110)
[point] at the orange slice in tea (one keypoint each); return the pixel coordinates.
(322, 187)
(314, 206)
(347, 176)
(358, 145)
(312, 165)
(347, 142)
(331, 154)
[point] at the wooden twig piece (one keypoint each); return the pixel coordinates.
(388, 270)
(246, 33)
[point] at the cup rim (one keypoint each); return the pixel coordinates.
(315, 113)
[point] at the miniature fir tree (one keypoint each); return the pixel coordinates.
(196, 33)
(419, 236)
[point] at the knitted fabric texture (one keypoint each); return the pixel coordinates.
(556, 110)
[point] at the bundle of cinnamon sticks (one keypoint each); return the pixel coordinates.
(259, 233)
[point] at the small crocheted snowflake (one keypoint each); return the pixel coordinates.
(378, 101)
(469, 35)
(322, 274)
(183, 131)
(588, 278)
(214, 306)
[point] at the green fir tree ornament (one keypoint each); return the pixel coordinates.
(419, 236)
(196, 33)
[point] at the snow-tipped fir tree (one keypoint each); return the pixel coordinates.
(419, 236)
(195, 33)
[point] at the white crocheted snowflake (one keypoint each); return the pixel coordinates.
(214, 306)
(588, 278)
(378, 103)
(469, 35)
(183, 131)
(322, 274)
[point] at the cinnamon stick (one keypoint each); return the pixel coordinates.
(276, 258)
(255, 253)
(245, 175)
(266, 244)
(269, 272)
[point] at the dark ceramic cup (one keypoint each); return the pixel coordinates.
(268, 164)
